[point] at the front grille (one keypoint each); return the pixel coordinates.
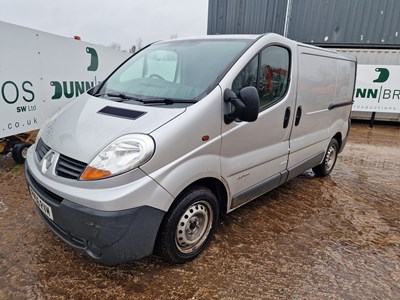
(41, 149)
(66, 167)
(69, 168)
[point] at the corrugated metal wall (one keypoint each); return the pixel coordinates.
(311, 21)
(246, 16)
(373, 56)
(345, 21)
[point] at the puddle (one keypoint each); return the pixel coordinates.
(312, 238)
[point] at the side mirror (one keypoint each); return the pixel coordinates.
(246, 106)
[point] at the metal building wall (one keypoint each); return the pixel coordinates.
(246, 16)
(345, 21)
(312, 21)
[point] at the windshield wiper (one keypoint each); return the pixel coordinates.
(165, 101)
(123, 97)
(156, 100)
(120, 96)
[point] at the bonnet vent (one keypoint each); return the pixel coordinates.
(121, 112)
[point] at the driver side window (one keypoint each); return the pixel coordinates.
(269, 72)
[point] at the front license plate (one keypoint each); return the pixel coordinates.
(41, 204)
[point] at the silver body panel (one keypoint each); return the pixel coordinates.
(181, 156)
(89, 131)
(321, 82)
(194, 143)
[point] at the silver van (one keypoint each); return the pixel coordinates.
(182, 133)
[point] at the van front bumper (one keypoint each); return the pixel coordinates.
(110, 237)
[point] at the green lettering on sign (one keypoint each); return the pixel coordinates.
(94, 59)
(3, 93)
(383, 75)
(367, 93)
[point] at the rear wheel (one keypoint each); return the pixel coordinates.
(327, 165)
(19, 152)
(188, 226)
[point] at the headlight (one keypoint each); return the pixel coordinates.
(124, 154)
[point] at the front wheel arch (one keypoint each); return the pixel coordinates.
(219, 189)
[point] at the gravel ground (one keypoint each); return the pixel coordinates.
(312, 238)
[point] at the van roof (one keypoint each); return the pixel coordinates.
(220, 37)
(217, 37)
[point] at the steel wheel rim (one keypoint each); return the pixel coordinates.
(194, 227)
(330, 158)
(24, 152)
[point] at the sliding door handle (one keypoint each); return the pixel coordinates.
(286, 118)
(298, 116)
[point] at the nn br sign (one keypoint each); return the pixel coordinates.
(377, 89)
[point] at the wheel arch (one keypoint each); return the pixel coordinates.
(219, 190)
(216, 186)
(338, 138)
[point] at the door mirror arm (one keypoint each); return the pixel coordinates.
(246, 105)
(239, 106)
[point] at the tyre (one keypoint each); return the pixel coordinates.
(327, 165)
(19, 152)
(188, 226)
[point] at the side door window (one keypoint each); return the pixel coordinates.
(269, 72)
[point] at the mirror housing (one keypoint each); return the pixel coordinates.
(246, 106)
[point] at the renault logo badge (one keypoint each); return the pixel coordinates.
(47, 161)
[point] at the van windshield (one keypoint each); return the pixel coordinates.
(174, 70)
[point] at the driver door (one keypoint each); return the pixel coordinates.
(254, 155)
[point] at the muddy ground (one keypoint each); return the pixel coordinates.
(312, 238)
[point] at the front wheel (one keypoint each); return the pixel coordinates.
(326, 167)
(188, 226)
(19, 152)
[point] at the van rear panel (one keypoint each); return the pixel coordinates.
(324, 96)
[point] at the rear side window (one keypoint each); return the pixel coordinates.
(269, 73)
